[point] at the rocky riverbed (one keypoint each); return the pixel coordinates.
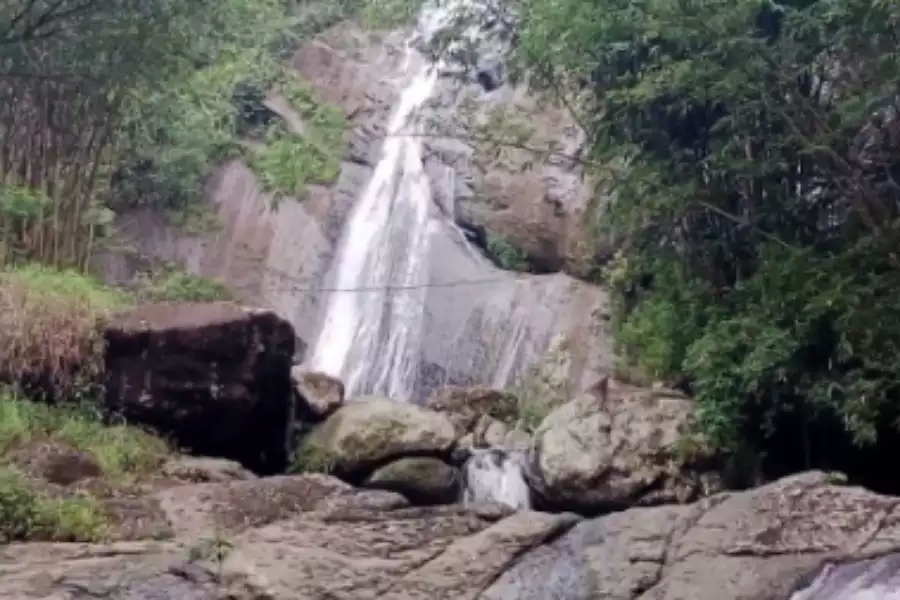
(617, 510)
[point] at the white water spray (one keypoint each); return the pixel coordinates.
(496, 476)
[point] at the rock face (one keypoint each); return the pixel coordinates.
(762, 544)
(282, 254)
(372, 431)
(288, 538)
(314, 537)
(597, 454)
(213, 377)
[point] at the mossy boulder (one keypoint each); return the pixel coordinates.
(371, 431)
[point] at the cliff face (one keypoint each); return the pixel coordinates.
(488, 208)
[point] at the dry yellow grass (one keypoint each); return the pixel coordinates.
(51, 330)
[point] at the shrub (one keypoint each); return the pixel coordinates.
(26, 514)
(177, 285)
(506, 255)
(121, 450)
(50, 336)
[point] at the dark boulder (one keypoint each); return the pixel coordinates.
(213, 377)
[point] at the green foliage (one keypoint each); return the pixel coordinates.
(751, 156)
(120, 450)
(389, 14)
(187, 118)
(26, 514)
(177, 285)
(543, 387)
(50, 336)
(312, 458)
(144, 98)
(293, 156)
(506, 255)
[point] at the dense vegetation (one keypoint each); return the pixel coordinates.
(751, 156)
(105, 103)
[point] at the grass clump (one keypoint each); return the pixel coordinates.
(312, 458)
(27, 514)
(288, 161)
(177, 285)
(121, 451)
(51, 339)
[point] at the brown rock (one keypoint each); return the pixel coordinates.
(214, 377)
(56, 462)
(319, 394)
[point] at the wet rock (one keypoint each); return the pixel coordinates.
(606, 452)
(372, 430)
(213, 377)
(422, 480)
(319, 394)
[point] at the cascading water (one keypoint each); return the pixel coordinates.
(494, 475)
(370, 336)
(374, 323)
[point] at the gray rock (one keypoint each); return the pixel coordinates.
(319, 394)
(421, 479)
(287, 538)
(600, 454)
(372, 430)
(756, 545)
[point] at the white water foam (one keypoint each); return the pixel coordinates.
(494, 475)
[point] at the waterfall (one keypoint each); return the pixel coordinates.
(495, 475)
(371, 335)
(413, 304)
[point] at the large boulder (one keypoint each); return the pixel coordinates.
(760, 544)
(372, 431)
(213, 377)
(619, 447)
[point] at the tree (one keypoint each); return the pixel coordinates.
(111, 101)
(750, 153)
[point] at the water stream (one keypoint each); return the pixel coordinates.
(494, 475)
